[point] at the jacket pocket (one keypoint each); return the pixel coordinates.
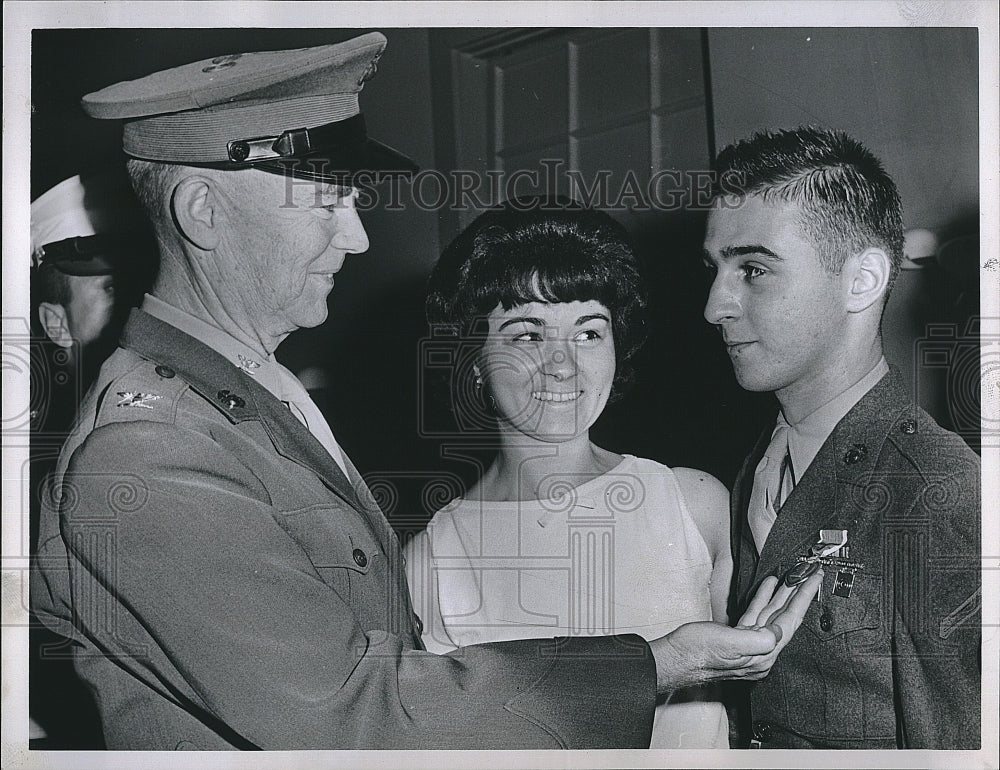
(837, 674)
(341, 551)
(833, 615)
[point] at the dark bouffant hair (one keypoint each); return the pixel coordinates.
(541, 250)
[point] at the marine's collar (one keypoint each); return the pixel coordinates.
(206, 371)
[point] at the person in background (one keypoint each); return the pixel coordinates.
(804, 243)
(561, 537)
(222, 569)
(91, 258)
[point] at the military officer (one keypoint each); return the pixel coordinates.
(227, 577)
(853, 475)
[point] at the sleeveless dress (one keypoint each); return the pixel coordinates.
(618, 554)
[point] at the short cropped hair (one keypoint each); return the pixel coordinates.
(541, 250)
(848, 201)
(152, 183)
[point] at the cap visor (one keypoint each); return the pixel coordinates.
(370, 159)
(98, 265)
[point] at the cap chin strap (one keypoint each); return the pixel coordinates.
(300, 141)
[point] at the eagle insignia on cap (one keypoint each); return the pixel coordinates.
(370, 71)
(134, 398)
(221, 62)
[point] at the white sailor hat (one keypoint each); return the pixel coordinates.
(84, 226)
(290, 111)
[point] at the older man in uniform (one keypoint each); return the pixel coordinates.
(853, 476)
(216, 556)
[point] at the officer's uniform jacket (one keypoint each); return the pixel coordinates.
(895, 663)
(226, 586)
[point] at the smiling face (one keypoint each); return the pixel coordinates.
(284, 242)
(782, 315)
(549, 367)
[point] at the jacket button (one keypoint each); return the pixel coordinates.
(855, 454)
(762, 731)
(909, 427)
(359, 557)
(825, 621)
(165, 372)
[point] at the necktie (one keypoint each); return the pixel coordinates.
(772, 483)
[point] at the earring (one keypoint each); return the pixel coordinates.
(478, 380)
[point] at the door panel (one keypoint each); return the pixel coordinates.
(617, 104)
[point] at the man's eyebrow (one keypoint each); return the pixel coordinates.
(521, 320)
(592, 317)
(755, 249)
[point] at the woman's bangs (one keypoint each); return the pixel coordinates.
(556, 279)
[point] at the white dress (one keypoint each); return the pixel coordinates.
(618, 554)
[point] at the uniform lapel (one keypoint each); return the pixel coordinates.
(827, 496)
(745, 556)
(378, 523)
(809, 508)
(293, 441)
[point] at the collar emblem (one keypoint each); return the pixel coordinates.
(248, 365)
(134, 398)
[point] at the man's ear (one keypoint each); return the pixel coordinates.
(195, 207)
(867, 274)
(52, 316)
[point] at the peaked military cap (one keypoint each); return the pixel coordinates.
(86, 225)
(292, 111)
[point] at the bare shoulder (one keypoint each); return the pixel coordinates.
(702, 490)
(707, 500)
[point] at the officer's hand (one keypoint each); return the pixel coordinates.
(703, 652)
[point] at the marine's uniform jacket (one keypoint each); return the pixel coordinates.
(895, 664)
(227, 586)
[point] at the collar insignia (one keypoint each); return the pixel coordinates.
(134, 398)
(248, 365)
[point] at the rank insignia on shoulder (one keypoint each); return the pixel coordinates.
(134, 398)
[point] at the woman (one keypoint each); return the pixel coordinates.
(560, 536)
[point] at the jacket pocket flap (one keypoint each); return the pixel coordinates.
(329, 539)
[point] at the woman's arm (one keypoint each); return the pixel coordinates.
(708, 501)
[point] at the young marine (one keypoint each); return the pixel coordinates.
(853, 475)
